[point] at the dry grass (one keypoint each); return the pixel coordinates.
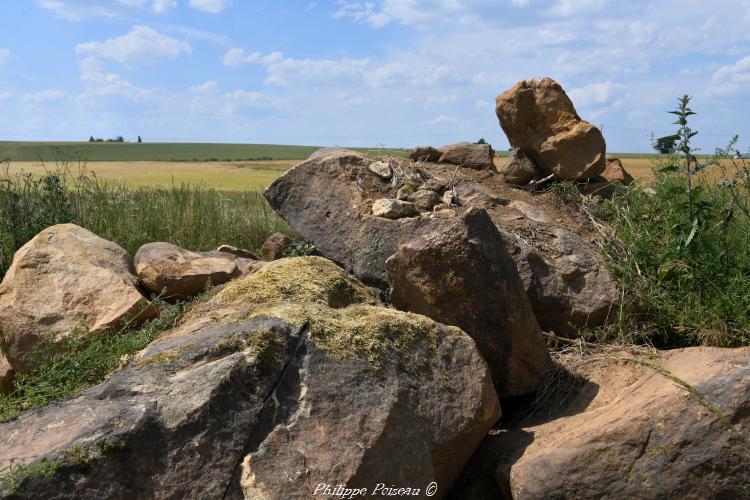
(222, 176)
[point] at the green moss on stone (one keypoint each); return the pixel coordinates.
(17, 474)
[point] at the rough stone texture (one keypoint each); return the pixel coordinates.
(341, 227)
(424, 199)
(180, 273)
(264, 391)
(615, 172)
(276, 246)
(6, 375)
(382, 169)
(425, 153)
(66, 278)
(628, 431)
(519, 169)
(476, 156)
(538, 117)
(391, 208)
(571, 289)
(464, 276)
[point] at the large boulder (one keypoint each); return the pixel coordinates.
(179, 273)
(622, 425)
(67, 278)
(476, 156)
(6, 376)
(464, 276)
(538, 117)
(289, 378)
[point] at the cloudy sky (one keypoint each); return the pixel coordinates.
(391, 72)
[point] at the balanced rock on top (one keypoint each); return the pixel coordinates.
(538, 117)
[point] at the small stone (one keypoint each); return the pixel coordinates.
(393, 209)
(382, 169)
(237, 252)
(448, 198)
(434, 184)
(405, 190)
(519, 170)
(529, 211)
(424, 199)
(276, 246)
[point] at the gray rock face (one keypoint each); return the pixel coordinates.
(574, 289)
(519, 169)
(476, 156)
(264, 391)
(464, 276)
(67, 278)
(628, 430)
(180, 273)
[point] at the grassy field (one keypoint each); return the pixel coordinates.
(178, 152)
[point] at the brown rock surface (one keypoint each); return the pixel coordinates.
(66, 278)
(676, 428)
(276, 246)
(463, 276)
(180, 273)
(476, 156)
(6, 375)
(615, 172)
(425, 153)
(538, 117)
(287, 378)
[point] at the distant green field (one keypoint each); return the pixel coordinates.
(128, 151)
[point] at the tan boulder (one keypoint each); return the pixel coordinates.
(179, 273)
(670, 424)
(615, 172)
(276, 246)
(67, 278)
(6, 376)
(476, 156)
(538, 117)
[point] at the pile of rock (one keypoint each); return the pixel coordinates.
(68, 279)
(551, 140)
(476, 156)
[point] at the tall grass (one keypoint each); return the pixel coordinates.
(681, 250)
(192, 216)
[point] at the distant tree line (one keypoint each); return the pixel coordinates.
(119, 138)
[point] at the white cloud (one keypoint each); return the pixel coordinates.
(203, 88)
(4, 95)
(285, 70)
(442, 120)
(363, 12)
(163, 5)
(441, 99)
(45, 96)
(567, 8)
(731, 79)
(102, 84)
(212, 6)
(593, 94)
(6, 56)
(141, 44)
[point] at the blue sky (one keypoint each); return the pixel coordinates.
(391, 72)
